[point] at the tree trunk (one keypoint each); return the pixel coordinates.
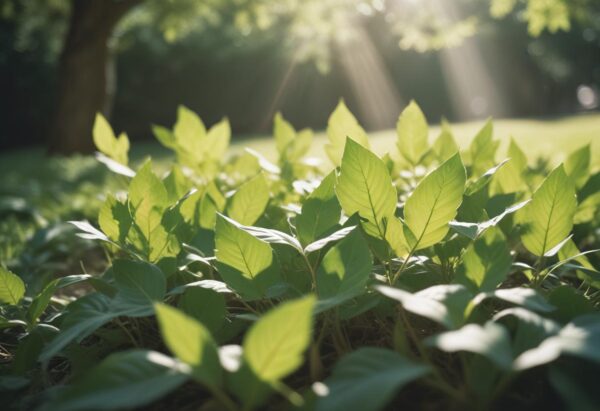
(83, 75)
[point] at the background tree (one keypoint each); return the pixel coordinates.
(88, 32)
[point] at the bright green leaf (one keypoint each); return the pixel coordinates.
(548, 218)
(434, 203)
(342, 125)
(12, 288)
(274, 346)
(191, 343)
(250, 201)
(412, 133)
(365, 187)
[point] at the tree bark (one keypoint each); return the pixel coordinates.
(84, 74)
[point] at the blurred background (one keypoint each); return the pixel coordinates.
(136, 60)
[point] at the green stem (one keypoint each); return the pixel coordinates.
(224, 399)
(403, 266)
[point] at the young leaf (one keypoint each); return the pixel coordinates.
(365, 187)
(412, 133)
(106, 142)
(548, 218)
(148, 200)
(114, 219)
(12, 288)
(250, 201)
(342, 125)
(345, 268)
(245, 261)
(274, 346)
(367, 380)
(129, 379)
(486, 262)
(510, 177)
(321, 212)
(483, 150)
(445, 146)
(191, 343)
(577, 165)
(217, 141)
(189, 130)
(434, 203)
(284, 134)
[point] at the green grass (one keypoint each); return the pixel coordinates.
(553, 139)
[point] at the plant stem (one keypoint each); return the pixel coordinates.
(224, 399)
(402, 267)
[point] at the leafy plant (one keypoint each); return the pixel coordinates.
(444, 279)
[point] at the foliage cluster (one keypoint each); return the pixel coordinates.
(428, 276)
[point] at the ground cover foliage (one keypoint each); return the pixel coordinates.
(428, 278)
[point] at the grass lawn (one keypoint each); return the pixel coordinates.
(538, 138)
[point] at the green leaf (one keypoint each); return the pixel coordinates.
(395, 237)
(490, 340)
(245, 262)
(530, 330)
(486, 262)
(217, 140)
(367, 379)
(139, 282)
(284, 134)
(483, 150)
(129, 379)
(579, 338)
(12, 288)
(569, 303)
(106, 142)
(434, 203)
(85, 315)
(570, 252)
(321, 212)
(577, 165)
(475, 230)
(484, 180)
(510, 177)
(525, 297)
(148, 200)
(331, 238)
(365, 187)
(412, 133)
(587, 209)
(114, 219)
(191, 343)
(444, 304)
(274, 346)
(548, 218)
(189, 130)
(445, 146)
(40, 302)
(205, 305)
(250, 201)
(346, 267)
(342, 125)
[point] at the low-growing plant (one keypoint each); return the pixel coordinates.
(429, 278)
